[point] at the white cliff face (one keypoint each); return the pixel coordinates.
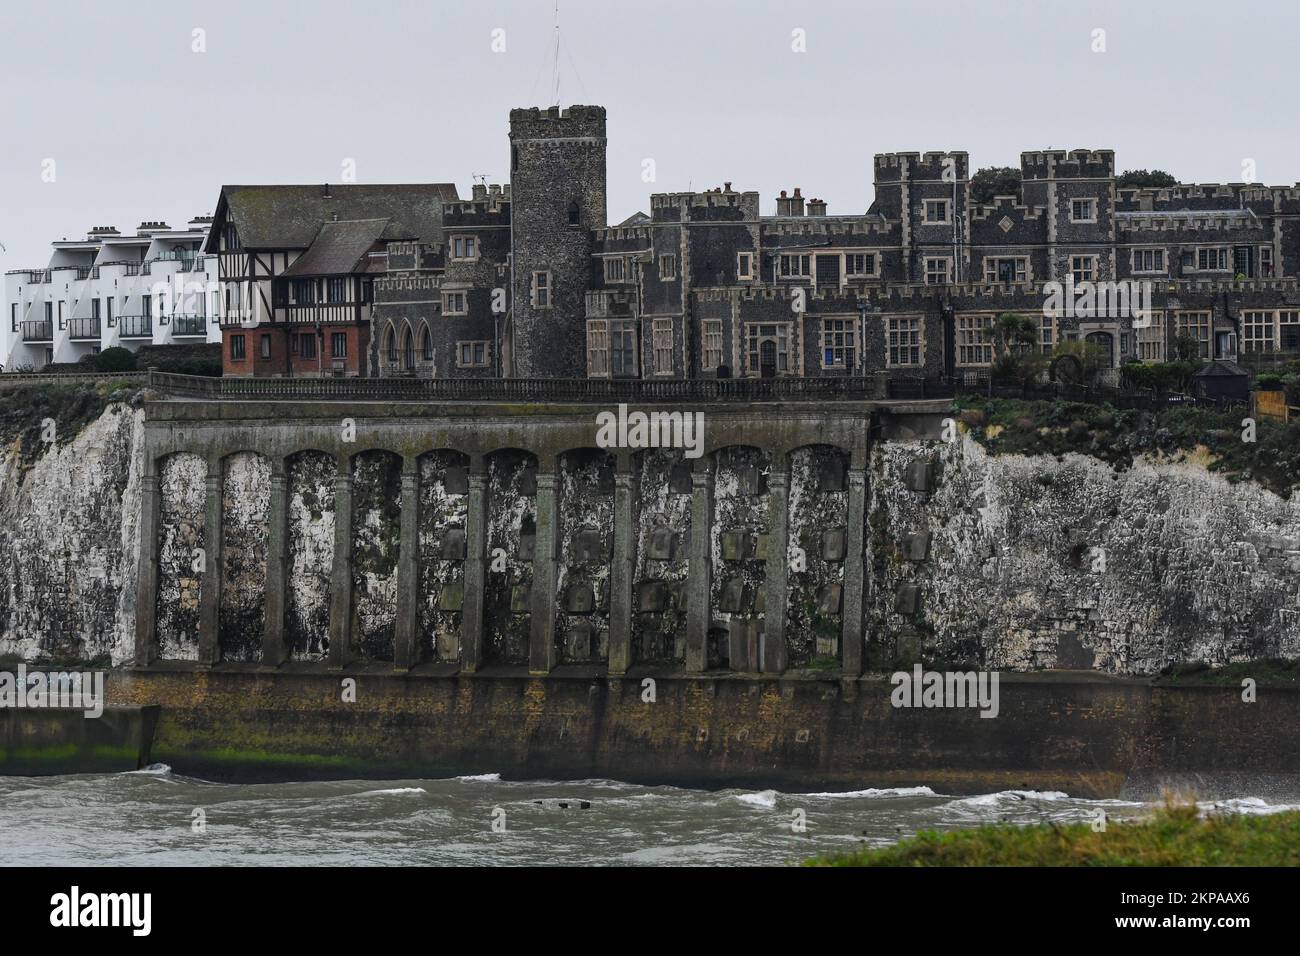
(1036, 562)
(68, 543)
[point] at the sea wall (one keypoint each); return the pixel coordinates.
(530, 550)
(1088, 736)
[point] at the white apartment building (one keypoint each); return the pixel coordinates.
(156, 287)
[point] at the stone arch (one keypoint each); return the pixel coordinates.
(389, 346)
(376, 532)
(661, 509)
(310, 475)
(738, 541)
(818, 540)
(585, 534)
(245, 530)
(407, 347)
(426, 345)
(442, 527)
(182, 553)
(511, 543)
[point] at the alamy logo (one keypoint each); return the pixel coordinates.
(651, 430)
(946, 689)
(61, 690)
(1127, 298)
(103, 909)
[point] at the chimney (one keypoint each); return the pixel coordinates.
(102, 232)
(796, 203)
(494, 189)
(479, 192)
(782, 204)
(816, 207)
(726, 187)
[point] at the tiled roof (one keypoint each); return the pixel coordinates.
(339, 248)
(288, 217)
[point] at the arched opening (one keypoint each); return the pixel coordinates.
(408, 350)
(426, 348)
(573, 212)
(390, 346)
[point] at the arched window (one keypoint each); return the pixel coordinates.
(426, 345)
(573, 212)
(408, 349)
(390, 346)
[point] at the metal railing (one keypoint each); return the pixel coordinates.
(530, 390)
(135, 326)
(189, 325)
(83, 328)
(37, 330)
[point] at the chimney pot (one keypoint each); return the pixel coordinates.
(797, 194)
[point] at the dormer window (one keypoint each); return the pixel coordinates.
(230, 239)
(573, 213)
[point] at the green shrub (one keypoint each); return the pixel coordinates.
(115, 360)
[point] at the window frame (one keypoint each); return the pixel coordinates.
(947, 212)
(1093, 207)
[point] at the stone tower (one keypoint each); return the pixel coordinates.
(557, 174)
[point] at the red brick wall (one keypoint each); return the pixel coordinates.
(284, 360)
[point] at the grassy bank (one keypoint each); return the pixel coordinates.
(1117, 436)
(1175, 835)
(24, 409)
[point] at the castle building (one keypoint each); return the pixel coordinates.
(110, 290)
(528, 280)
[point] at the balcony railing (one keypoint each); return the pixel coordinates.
(83, 328)
(132, 269)
(37, 330)
(135, 326)
(174, 255)
(189, 325)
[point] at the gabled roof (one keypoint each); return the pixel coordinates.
(1220, 369)
(288, 217)
(636, 219)
(339, 248)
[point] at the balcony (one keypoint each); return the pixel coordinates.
(83, 328)
(135, 326)
(37, 330)
(189, 325)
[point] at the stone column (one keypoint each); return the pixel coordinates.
(340, 651)
(775, 570)
(406, 632)
(210, 589)
(471, 615)
(699, 583)
(852, 635)
(146, 593)
(541, 655)
(274, 651)
(620, 575)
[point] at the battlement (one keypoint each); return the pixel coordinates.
(490, 204)
(894, 167)
(1007, 206)
(1067, 164)
(574, 122)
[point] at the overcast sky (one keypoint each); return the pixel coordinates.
(139, 126)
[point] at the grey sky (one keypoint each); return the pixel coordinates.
(141, 127)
